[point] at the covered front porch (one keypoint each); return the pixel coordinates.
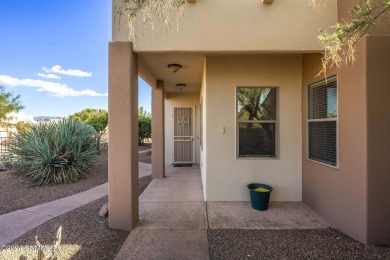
(196, 123)
(175, 220)
(169, 145)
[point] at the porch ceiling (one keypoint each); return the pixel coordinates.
(190, 74)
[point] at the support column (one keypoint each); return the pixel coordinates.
(158, 132)
(123, 136)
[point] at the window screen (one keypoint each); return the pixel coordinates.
(322, 121)
(256, 121)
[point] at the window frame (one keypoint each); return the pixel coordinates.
(276, 122)
(308, 121)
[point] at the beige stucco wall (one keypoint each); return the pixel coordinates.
(354, 197)
(227, 176)
(203, 152)
(339, 195)
(145, 73)
(172, 99)
(378, 138)
(123, 135)
(231, 25)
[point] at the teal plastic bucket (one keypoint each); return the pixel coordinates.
(259, 199)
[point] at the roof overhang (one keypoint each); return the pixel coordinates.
(154, 66)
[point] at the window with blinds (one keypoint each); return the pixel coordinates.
(256, 121)
(322, 121)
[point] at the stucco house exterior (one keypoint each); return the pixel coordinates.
(254, 109)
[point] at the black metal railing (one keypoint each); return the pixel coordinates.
(4, 142)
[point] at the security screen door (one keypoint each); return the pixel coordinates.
(183, 134)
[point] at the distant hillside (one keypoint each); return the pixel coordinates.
(47, 118)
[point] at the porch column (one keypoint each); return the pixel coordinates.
(123, 136)
(158, 133)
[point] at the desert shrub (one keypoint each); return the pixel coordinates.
(54, 152)
(6, 161)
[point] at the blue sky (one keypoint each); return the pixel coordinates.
(54, 53)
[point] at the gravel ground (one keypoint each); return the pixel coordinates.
(85, 235)
(290, 244)
(145, 146)
(145, 157)
(18, 193)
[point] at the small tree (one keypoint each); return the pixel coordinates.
(144, 125)
(21, 126)
(147, 11)
(8, 103)
(340, 40)
(97, 118)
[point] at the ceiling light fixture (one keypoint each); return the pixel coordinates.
(174, 67)
(181, 86)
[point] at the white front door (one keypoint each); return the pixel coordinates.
(183, 134)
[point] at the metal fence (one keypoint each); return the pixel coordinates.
(4, 142)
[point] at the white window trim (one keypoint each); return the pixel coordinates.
(337, 166)
(201, 124)
(276, 122)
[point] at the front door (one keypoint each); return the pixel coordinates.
(183, 134)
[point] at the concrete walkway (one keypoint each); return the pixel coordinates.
(174, 218)
(173, 221)
(145, 151)
(144, 169)
(15, 224)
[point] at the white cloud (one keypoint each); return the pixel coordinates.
(49, 76)
(51, 88)
(69, 72)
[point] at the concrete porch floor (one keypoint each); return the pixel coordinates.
(174, 218)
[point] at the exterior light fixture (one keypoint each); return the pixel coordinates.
(181, 86)
(174, 67)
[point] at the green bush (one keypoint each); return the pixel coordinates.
(144, 125)
(54, 152)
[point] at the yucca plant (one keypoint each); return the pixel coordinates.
(54, 152)
(54, 249)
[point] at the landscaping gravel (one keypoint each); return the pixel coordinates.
(145, 157)
(144, 147)
(143, 182)
(290, 244)
(85, 235)
(18, 193)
